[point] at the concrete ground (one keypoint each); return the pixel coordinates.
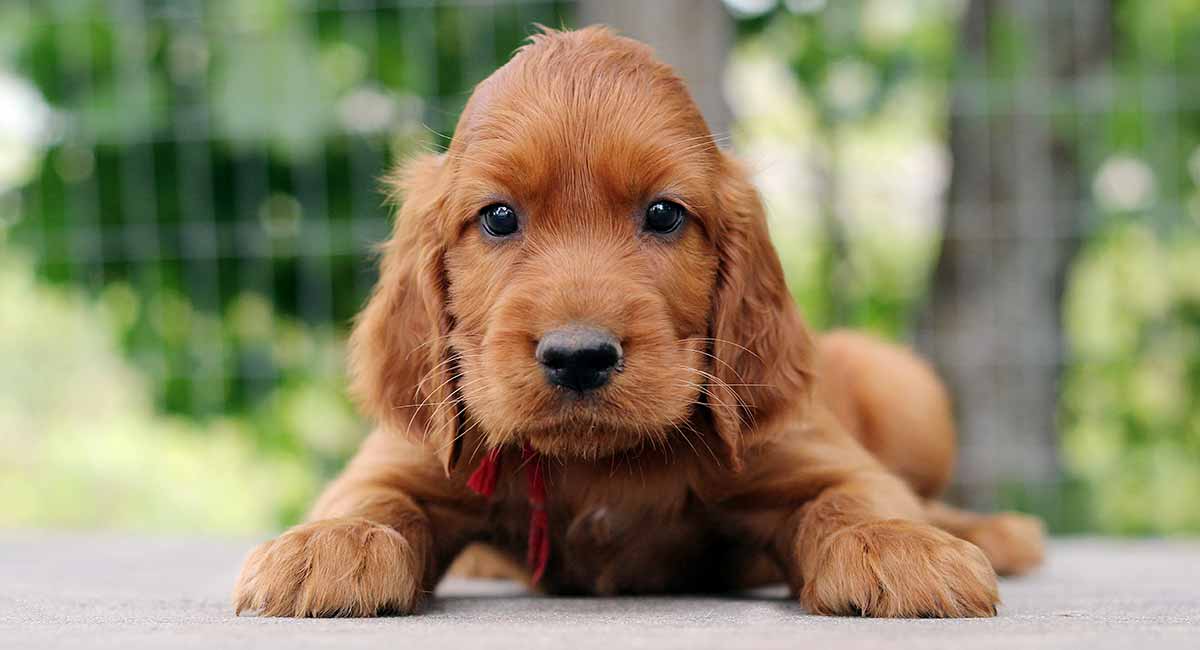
(116, 591)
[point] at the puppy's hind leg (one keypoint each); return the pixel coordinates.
(1013, 542)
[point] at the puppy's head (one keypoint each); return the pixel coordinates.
(583, 271)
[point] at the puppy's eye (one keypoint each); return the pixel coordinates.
(664, 217)
(499, 220)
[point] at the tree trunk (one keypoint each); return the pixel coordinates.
(694, 36)
(1016, 207)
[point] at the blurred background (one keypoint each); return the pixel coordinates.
(189, 192)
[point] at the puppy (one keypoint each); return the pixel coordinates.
(581, 352)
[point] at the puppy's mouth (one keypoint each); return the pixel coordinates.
(579, 391)
(603, 422)
(570, 409)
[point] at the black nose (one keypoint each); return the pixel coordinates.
(579, 358)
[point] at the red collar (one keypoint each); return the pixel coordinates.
(483, 482)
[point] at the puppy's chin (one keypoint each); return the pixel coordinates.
(589, 426)
(604, 442)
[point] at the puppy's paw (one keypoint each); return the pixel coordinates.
(898, 568)
(1014, 543)
(333, 567)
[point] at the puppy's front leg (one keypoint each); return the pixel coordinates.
(858, 545)
(375, 543)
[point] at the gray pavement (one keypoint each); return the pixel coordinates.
(61, 590)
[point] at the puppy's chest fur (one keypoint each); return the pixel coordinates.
(624, 530)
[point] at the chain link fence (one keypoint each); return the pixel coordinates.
(1010, 185)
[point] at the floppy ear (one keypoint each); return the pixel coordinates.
(762, 346)
(401, 371)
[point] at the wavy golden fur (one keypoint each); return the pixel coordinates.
(732, 448)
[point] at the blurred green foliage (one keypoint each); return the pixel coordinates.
(210, 182)
(83, 446)
(855, 141)
(186, 249)
(209, 149)
(1130, 400)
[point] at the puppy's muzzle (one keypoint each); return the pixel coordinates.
(579, 358)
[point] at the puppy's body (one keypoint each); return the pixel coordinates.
(641, 526)
(703, 442)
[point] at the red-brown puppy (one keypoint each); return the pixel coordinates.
(580, 311)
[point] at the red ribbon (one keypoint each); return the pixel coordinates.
(483, 481)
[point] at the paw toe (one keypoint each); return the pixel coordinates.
(1014, 543)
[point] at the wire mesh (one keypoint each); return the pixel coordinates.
(201, 157)
(221, 160)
